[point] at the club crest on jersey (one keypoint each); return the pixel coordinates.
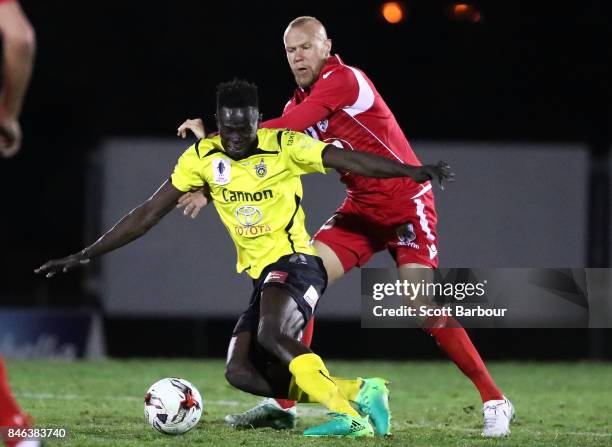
(261, 169)
(322, 125)
(221, 171)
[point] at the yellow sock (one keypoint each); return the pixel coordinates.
(313, 378)
(348, 387)
(296, 394)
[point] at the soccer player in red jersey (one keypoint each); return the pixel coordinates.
(17, 58)
(338, 104)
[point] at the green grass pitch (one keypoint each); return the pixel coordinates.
(433, 404)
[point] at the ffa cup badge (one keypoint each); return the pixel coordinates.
(221, 171)
(261, 169)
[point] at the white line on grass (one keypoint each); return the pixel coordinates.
(307, 411)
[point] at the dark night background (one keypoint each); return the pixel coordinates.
(529, 71)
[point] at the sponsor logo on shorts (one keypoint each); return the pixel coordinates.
(433, 251)
(312, 297)
(406, 236)
(298, 258)
(276, 276)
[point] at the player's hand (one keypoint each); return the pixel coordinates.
(193, 202)
(10, 138)
(194, 125)
(63, 265)
(440, 172)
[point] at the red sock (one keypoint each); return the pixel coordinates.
(457, 344)
(8, 404)
(306, 340)
(307, 334)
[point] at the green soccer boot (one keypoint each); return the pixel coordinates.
(342, 424)
(373, 401)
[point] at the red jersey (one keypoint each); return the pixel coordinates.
(344, 108)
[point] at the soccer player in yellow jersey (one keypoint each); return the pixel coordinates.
(254, 178)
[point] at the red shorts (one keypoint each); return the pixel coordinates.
(407, 230)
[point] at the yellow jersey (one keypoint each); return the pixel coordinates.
(257, 197)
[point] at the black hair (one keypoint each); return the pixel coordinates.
(237, 93)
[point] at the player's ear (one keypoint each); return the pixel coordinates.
(328, 46)
(259, 119)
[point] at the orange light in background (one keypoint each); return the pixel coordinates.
(393, 12)
(464, 12)
(461, 8)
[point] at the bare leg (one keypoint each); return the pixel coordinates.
(415, 273)
(332, 263)
(258, 364)
(242, 373)
(280, 322)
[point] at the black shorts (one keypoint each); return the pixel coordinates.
(302, 276)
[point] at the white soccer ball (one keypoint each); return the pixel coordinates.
(173, 406)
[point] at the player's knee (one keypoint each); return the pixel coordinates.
(237, 376)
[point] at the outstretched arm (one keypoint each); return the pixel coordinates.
(133, 225)
(370, 165)
(301, 117)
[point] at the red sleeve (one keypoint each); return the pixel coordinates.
(337, 88)
(299, 118)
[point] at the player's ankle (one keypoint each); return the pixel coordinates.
(285, 404)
